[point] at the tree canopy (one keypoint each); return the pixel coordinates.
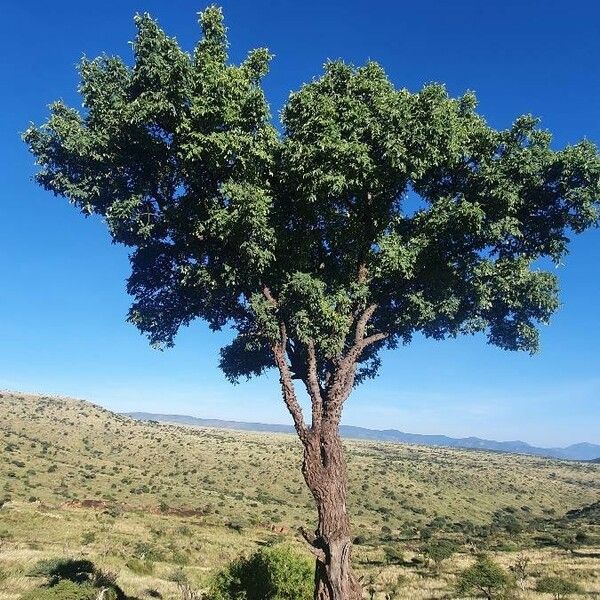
(484, 579)
(312, 225)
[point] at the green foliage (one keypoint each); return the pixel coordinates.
(439, 550)
(76, 579)
(179, 156)
(508, 521)
(88, 537)
(557, 586)
(59, 569)
(485, 579)
(140, 567)
(66, 590)
(274, 573)
(393, 554)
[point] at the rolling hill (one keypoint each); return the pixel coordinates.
(581, 451)
(60, 450)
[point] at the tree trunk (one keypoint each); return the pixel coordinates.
(324, 470)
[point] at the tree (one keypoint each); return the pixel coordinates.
(304, 241)
(484, 579)
(439, 550)
(557, 586)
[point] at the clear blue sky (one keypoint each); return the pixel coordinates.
(62, 298)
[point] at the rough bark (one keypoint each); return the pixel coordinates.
(324, 470)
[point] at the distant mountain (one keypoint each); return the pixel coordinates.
(582, 451)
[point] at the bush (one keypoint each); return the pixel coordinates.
(275, 573)
(59, 569)
(67, 590)
(140, 567)
(393, 555)
(558, 587)
(74, 578)
(439, 550)
(485, 579)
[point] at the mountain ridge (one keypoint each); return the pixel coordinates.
(578, 451)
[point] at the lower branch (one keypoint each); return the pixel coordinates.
(287, 384)
(289, 394)
(311, 540)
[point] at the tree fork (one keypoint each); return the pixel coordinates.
(324, 465)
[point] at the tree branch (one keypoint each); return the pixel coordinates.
(287, 384)
(372, 339)
(314, 387)
(311, 540)
(269, 296)
(362, 273)
(343, 381)
(363, 320)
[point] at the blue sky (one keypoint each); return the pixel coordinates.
(62, 298)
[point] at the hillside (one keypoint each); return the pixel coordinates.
(581, 451)
(58, 449)
(144, 499)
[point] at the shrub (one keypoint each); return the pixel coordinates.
(582, 537)
(88, 537)
(508, 521)
(439, 550)
(145, 551)
(140, 567)
(66, 590)
(275, 573)
(59, 569)
(72, 577)
(485, 579)
(557, 586)
(393, 555)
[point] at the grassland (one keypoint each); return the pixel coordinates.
(146, 500)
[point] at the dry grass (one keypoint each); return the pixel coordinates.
(83, 482)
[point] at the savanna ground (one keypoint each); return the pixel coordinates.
(149, 501)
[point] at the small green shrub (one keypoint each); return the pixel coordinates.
(393, 555)
(275, 573)
(140, 567)
(439, 550)
(60, 573)
(557, 586)
(65, 590)
(88, 537)
(59, 569)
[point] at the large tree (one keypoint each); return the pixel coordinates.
(302, 239)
